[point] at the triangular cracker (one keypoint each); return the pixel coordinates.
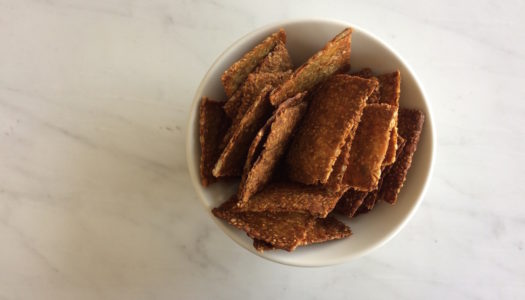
(334, 56)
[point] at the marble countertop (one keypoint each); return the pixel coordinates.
(95, 198)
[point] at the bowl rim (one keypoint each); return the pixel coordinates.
(195, 176)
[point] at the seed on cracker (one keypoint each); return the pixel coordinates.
(293, 197)
(369, 147)
(269, 145)
(333, 57)
(335, 108)
(235, 75)
(213, 124)
(410, 124)
(232, 158)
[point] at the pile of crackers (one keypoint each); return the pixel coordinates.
(308, 143)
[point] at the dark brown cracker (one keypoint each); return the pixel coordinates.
(293, 197)
(350, 202)
(235, 75)
(369, 147)
(262, 246)
(335, 108)
(283, 230)
(410, 124)
(334, 56)
(213, 124)
(322, 230)
(232, 158)
(269, 145)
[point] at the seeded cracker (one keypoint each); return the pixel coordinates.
(369, 147)
(253, 86)
(293, 197)
(335, 108)
(277, 61)
(269, 145)
(333, 57)
(410, 124)
(350, 202)
(232, 158)
(321, 231)
(234, 76)
(283, 230)
(213, 124)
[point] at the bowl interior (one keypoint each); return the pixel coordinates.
(371, 230)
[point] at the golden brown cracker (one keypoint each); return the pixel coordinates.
(232, 158)
(269, 145)
(278, 60)
(369, 147)
(231, 107)
(410, 125)
(293, 197)
(334, 56)
(335, 108)
(235, 75)
(213, 124)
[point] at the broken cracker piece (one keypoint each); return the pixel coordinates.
(333, 57)
(334, 110)
(213, 124)
(232, 158)
(369, 147)
(269, 145)
(283, 230)
(293, 197)
(235, 75)
(231, 107)
(410, 125)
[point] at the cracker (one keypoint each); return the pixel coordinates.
(335, 180)
(335, 108)
(231, 107)
(269, 145)
(277, 61)
(334, 56)
(326, 229)
(283, 230)
(369, 147)
(350, 202)
(254, 85)
(387, 91)
(410, 124)
(232, 158)
(235, 75)
(293, 197)
(213, 124)
(322, 230)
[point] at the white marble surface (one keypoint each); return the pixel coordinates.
(95, 199)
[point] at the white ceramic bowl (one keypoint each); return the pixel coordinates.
(370, 231)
